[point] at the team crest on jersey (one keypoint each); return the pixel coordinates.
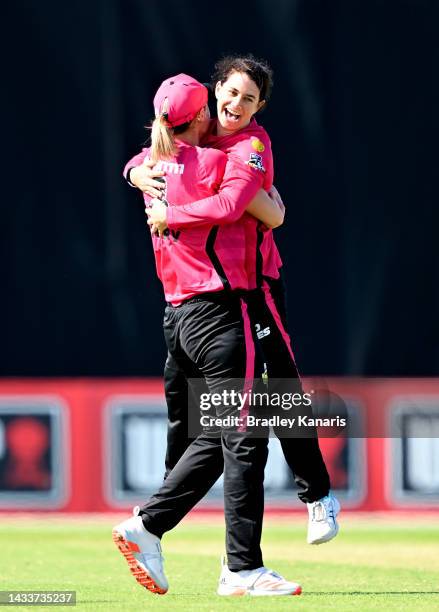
(255, 161)
(258, 145)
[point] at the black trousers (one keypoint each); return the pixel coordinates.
(267, 311)
(213, 335)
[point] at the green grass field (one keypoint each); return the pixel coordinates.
(375, 565)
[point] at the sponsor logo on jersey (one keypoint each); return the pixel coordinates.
(169, 167)
(255, 162)
(258, 145)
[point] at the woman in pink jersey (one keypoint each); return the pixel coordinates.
(242, 86)
(208, 332)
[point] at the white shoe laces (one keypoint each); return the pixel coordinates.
(275, 574)
(149, 556)
(322, 510)
(267, 574)
(318, 511)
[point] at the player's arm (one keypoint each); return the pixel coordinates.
(263, 207)
(238, 187)
(224, 209)
(228, 205)
(215, 171)
(266, 209)
(139, 173)
(245, 174)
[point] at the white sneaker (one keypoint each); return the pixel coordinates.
(257, 582)
(322, 523)
(142, 552)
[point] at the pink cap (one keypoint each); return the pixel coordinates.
(185, 96)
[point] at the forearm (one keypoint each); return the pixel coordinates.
(266, 210)
(134, 162)
(238, 188)
(140, 172)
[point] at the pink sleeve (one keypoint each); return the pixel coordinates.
(212, 167)
(137, 160)
(239, 186)
(255, 151)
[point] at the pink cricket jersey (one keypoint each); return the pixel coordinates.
(250, 146)
(193, 260)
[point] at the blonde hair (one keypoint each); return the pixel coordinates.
(162, 140)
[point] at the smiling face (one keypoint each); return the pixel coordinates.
(237, 102)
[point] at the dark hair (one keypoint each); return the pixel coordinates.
(258, 70)
(179, 129)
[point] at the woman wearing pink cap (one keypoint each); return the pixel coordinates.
(208, 332)
(242, 86)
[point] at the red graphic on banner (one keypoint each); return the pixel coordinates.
(27, 441)
(333, 452)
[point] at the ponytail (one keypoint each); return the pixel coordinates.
(162, 140)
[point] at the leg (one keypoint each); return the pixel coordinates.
(193, 476)
(302, 454)
(244, 464)
(225, 354)
(220, 341)
(201, 462)
(180, 399)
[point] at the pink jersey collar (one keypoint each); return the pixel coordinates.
(211, 137)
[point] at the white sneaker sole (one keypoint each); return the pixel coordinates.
(137, 570)
(240, 591)
(327, 537)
